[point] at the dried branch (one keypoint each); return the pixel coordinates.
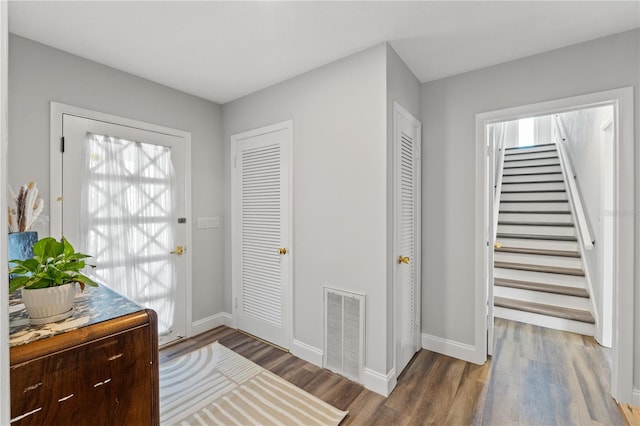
(27, 208)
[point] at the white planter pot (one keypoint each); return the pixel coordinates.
(49, 304)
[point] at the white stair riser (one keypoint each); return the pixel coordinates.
(537, 186)
(538, 244)
(531, 178)
(525, 196)
(534, 206)
(552, 299)
(532, 148)
(540, 277)
(538, 259)
(567, 231)
(535, 217)
(530, 155)
(545, 321)
(537, 162)
(525, 170)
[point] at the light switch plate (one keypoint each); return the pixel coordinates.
(208, 222)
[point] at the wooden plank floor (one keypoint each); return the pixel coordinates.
(537, 376)
(631, 414)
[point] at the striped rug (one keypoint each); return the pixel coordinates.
(216, 386)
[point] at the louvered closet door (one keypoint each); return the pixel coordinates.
(407, 235)
(261, 234)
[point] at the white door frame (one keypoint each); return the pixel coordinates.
(55, 174)
(608, 151)
(5, 408)
(235, 224)
(399, 110)
(624, 237)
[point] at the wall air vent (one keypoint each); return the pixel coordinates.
(344, 333)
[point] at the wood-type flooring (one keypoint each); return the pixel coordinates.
(537, 376)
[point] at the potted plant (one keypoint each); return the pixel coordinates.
(48, 280)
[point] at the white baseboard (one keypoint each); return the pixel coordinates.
(307, 352)
(210, 322)
(636, 397)
(378, 382)
(452, 348)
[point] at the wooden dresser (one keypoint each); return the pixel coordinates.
(98, 367)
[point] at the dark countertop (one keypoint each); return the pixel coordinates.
(93, 305)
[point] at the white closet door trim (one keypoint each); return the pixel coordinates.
(235, 223)
(398, 110)
(57, 110)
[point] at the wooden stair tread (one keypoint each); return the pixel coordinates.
(534, 201)
(542, 252)
(530, 152)
(540, 308)
(528, 182)
(528, 159)
(539, 268)
(536, 211)
(532, 165)
(538, 237)
(529, 146)
(533, 191)
(561, 224)
(546, 288)
(531, 174)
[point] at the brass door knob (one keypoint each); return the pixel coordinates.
(179, 250)
(282, 250)
(403, 259)
(497, 245)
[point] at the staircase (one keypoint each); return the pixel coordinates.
(538, 271)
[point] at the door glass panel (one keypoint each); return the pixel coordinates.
(127, 217)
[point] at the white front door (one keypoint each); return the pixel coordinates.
(406, 148)
(122, 194)
(261, 232)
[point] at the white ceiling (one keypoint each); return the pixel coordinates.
(224, 50)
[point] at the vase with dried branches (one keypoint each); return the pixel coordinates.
(24, 208)
(24, 211)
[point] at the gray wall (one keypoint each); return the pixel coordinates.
(339, 180)
(402, 87)
(585, 150)
(449, 107)
(39, 74)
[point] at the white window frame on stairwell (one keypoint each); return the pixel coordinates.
(624, 224)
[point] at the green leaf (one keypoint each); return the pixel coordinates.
(77, 256)
(38, 247)
(31, 265)
(17, 283)
(67, 247)
(56, 248)
(39, 283)
(18, 270)
(86, 280)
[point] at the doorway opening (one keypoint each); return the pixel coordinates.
(619, 227)
(119, 187)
